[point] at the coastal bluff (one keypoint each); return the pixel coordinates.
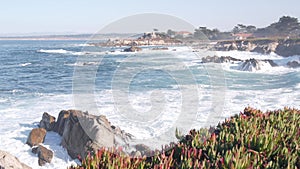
(282, 47)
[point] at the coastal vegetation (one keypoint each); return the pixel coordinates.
(251, 139)
(286, 26)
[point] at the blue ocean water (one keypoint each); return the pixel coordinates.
(38, 76)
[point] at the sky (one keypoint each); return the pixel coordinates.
(89, 16)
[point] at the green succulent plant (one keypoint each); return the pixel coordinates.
(252, 139)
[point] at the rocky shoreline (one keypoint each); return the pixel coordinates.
(282, 47)
(80, 133)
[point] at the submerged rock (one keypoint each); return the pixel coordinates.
(8, 161)
(36, 136)
(133, 49)
(293, 64)
(216, 59)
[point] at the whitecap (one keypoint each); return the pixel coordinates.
(61, 51)
(25, 64)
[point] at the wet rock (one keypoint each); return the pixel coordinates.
(61, 120)
(255, 64)
(160, 48)
(36, 136)
(47, 122)
(133, 49)
(216, 59)
(45, 155)
(293, 64)
(8, 161)
(288, 47)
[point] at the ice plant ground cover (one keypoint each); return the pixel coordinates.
(251, 139)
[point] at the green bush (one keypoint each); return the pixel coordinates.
(252, 139)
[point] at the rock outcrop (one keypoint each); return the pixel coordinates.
(282, 47)
(36, 136)
(222, 59)
(8, 161)
(254, 65)
(293, 64)
(288, 47)
(45, 155)
(47, 122)
(259, 46)
(133, 49)
(82, 132)
(61, 120)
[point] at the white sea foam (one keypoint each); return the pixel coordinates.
(25, 64)
(248, 55)
(61, 51)
(24, 116)
(264, 66)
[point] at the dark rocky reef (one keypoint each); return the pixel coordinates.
(255, 64)
(244, 65)
(133, 49)
(288, 47)
(293, 64)
(216, 59)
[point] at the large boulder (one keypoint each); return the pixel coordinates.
(47, 122)
(45, 155)
(8, 161)
(61, 120)
(83, 132)
(36, 136)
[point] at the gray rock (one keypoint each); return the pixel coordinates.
(83, 132)
(47, 122)
(8, 161)
(36, 136)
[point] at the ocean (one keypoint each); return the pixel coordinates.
(148, 94)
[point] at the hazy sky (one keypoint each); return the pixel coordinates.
(28, 16)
